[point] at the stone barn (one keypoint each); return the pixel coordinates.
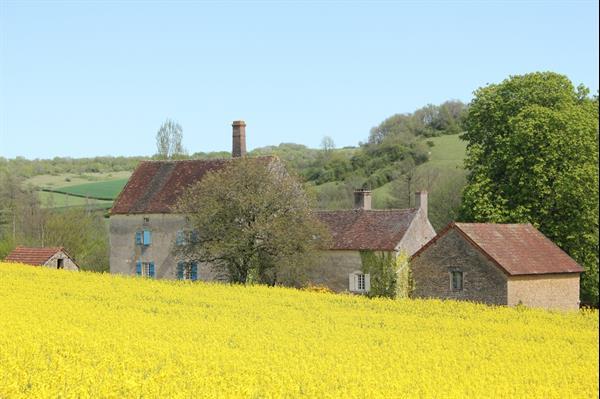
(52, 257)
(499, 264)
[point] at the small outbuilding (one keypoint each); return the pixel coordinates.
(52, 257)
(500, 264)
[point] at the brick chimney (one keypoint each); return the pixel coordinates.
(239, 139)
(362, 199)
(421, 201)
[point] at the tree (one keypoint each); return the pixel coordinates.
(327, 144)
(168, 140)
(83, 234)
(533, 157)
(254, 223)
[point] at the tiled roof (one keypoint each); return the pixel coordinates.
(367, 230)
(32, 256)
(155, 186)
(518, 249)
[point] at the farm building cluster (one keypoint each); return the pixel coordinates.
(499, 264)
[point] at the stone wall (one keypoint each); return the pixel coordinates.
(68, 264)
(124, 253)
(550, 291)
(418, 234)
(332, 269)
(482, 280)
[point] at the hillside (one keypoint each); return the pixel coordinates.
(111, 336)
(446, 157)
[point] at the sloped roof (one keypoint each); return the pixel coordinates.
(32, 256)
(518, 249)
(155, 186)
(359, 229)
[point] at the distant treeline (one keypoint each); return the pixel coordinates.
(393, 147)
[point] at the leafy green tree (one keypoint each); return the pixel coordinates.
(533, 157)
(83, 234)
(254, 223)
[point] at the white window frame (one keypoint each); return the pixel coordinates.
(359, 282)
(145, 269)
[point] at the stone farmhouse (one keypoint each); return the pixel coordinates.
(52, 257)
(499, 264)
(145, 232)
(364, 229)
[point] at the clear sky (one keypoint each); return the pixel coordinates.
(98, 78)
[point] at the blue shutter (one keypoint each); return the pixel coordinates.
(151, 269)
(179, 238)
(138, 268)
(194, 236)
(138, 238)
(179, 270)
(147, 237)
(194, 271)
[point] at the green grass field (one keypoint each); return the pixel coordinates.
(100, 185)
(72, 179)
(101, 189)
(447, 153)
(57, 200)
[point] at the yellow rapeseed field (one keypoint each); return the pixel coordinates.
(78, 335)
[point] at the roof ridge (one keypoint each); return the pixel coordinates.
(202, 160)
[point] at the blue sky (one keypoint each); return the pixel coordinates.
(98, 78)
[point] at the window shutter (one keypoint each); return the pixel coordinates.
(194, 273)
(179, 238)
(147, 237)
(367, 282)
(138, 238)
(138, 268)
(151, 269)
(352, 282)
(194, 236)
(180, 270)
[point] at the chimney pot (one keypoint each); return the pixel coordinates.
(362, 199)
(239, 139)
(421, 201)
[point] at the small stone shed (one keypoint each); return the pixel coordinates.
(500, 264)
(52, 257)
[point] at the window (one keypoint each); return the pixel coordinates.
(187, 271)
(146, 220)
(180, 238)
(60, 263)
(456, 277)
(143, 237)
(144, 269)
(359, 282)
(185, 237)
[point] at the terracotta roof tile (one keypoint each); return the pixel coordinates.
(367, 230)
(32, 256)
(519, 249)
(155, 186)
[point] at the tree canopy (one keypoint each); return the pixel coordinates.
(533, 157)
(254, 223)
